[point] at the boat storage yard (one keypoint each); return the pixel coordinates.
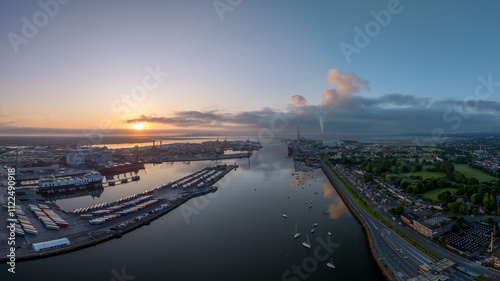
(43, 229)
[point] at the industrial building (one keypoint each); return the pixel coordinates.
(408, 218)
(437, 270)
(48, 245)
(433, 227)
(475, 239)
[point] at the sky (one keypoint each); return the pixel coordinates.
(238, 67)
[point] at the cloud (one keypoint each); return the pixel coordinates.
(346, 86)
(298, 100)
(212, 118)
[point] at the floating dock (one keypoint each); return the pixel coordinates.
(140, 209)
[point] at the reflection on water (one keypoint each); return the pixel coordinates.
(337, 208)
(237, 233)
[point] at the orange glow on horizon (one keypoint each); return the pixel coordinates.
(139, 126)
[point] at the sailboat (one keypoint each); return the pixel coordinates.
(297, 234)
(307, 244)
(330, 264)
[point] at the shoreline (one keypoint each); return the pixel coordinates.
(103, 233)
(109, 235)
(388, 274)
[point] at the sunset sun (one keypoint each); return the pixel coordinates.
(138, 126)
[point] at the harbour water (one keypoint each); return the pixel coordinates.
(237, 233)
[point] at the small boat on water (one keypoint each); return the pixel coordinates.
(330, 264)
(329, 233)
(284, 215)
(297, 234)
(307, 244)
(310, 206)
(325, 212)
(315, 224)
(312, 230)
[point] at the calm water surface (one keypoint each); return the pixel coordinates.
(237, 233)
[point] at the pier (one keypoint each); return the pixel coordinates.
(151, 204)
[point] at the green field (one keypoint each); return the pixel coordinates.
(433, 194)
(426, 174)
(471, 172)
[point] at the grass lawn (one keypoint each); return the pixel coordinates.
(471, 172)
(433, 194)
(426, 174)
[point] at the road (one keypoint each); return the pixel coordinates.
(431, 245)
(471, 267)
(402, 258)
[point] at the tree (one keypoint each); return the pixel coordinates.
(442, 183)
(394, 169)
(486, 200)
(463, 209)
(398, 211)
(493, 202)
(405, 169)
(455, 206)
(404, 184)
(445, 197)
(472, 181)
(489, 221)
(476, 198)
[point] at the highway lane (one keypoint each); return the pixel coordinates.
(431, 245)
(402, 258)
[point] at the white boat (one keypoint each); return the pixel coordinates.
(284, 215)
(312, 230)
(315, 224)
(329, 233)
(297, 234)
(330, 264)
(307, 244)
